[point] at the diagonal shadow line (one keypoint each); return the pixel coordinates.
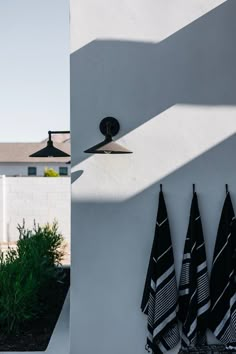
(214, 164)
(128, 217)
(76, 175)
(136, 81)
(116, 223)
(134, 218)
(112, 242)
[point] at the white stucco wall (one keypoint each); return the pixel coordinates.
(41, 199)
(21, 169)
(166, 70)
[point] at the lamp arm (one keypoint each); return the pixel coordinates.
(50, 132)
(59, 132)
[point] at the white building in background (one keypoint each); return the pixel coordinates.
(15, 160)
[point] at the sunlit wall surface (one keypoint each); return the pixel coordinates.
(166, 70)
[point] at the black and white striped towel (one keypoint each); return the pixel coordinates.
(159, 300)
(194, 299)
(223, 288)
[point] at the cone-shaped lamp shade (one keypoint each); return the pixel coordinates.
(108, 146)
(50, 151)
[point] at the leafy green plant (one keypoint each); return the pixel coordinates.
(50, 172)
(18, 294)
(26, 273)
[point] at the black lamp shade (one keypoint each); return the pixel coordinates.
(50, 151)
(108, 147)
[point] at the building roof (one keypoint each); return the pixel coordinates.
(19, 152)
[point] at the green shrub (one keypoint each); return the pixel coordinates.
(27, 272)
(18, 294)
(50, 172)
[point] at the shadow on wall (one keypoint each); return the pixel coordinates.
(76, 175)
(118, 241)
(210, 172)
(136, 81)
(112, 239)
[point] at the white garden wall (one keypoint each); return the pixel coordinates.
(166, 70)
(34, 198)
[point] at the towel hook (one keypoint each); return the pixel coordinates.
(193, 188)
(227, 188)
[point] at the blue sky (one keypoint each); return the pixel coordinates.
(34, 68)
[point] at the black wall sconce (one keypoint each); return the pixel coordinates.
(50, 150)
(109, 127)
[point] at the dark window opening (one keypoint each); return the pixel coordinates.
(32, 171)
(63, 171)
